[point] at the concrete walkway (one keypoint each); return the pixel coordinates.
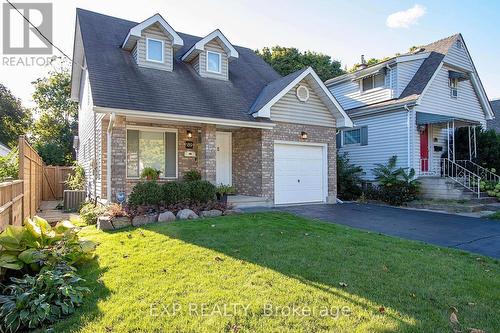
(466, 233)
(48, 210)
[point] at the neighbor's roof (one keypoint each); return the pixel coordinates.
(495, 123)
(118, 83)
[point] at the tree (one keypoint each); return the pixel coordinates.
(286, 60)
(14, 118)
(488, 147)
(54, 130)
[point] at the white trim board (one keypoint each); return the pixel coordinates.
(200, 46)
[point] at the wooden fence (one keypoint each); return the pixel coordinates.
(11, 203)
(54, 178)
(30, 171)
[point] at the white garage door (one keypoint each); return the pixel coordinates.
(299, 174)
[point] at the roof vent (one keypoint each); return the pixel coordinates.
(363, 64)
(302, 93)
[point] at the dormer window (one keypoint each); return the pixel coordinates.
(213, 62)
(372, 82)
(154, 50)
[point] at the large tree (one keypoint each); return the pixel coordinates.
(54, 129)
(14, 118)
(286, 60)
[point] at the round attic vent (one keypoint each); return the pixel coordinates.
(302, 93)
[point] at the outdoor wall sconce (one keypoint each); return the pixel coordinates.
(303, 135)
(189, 134)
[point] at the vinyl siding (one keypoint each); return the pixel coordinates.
(214, 46)
(437, 99)
(349, 95)
(312, 112)
(405, 72)
(459, 57)
(155, 32)
(387, 136)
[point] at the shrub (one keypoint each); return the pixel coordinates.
(115, 210)
(397, 194)
(9, 166)
(145, 193)
(201, 191)
(89, 212)
(175, 192)
(76, 180)
(33, 301)
(224, 189)
(348, 178)
(150, 173)
(192, 175)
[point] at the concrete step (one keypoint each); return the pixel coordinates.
(247, 201)
(443, 188)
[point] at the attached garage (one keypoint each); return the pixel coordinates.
(300, 172)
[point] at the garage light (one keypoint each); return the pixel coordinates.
(303, 135)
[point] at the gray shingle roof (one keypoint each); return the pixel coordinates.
(495, 123)
(117, 82)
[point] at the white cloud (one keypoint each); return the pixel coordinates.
(405, 18)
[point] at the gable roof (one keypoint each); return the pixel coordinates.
(200, 46)
(135, 32)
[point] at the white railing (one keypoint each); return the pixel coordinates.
(461, 175)
(428, 167)
(484, 173)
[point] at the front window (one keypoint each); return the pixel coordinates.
(372, 82)
(154, 50)
(352, 137)
(453, 88)
(155, 149)
(213, 62)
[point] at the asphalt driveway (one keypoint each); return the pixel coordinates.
(466, 233)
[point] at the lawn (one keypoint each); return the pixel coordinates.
(271, 272)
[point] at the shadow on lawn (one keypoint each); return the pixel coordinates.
(322, 256)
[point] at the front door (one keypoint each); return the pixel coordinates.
(424, 149)
(223, 158)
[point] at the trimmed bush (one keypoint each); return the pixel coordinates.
(89, 212)
(175, 192)
(145, 193)
(201, 190)
(192, 175)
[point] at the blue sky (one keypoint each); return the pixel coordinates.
(341, 29)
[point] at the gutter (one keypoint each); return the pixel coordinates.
(109, 133)
(408, 120)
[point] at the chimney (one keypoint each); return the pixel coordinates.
(362, 65)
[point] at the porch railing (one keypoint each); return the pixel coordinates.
(428, 167)
(484, 173)
(461, 175)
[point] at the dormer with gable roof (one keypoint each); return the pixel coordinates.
(211, 55)
(153, 43)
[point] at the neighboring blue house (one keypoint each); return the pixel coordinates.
(409, 105)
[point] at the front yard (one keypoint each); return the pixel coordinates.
(272, 272)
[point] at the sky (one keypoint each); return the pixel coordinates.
(341, 29)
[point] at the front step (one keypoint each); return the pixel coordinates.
(443, 189)
(247, 201)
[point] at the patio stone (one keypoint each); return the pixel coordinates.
(167, 216)
(186, 214)
(211, 213)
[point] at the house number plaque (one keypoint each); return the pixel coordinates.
(189, 144)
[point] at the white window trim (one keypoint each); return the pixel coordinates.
(350, 130)
(162, 50)
(453, 88)
(373, 81)
(153, 129)
(220, 62)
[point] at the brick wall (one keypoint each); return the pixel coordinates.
(208, 151)
(247, 161)
(118, 155)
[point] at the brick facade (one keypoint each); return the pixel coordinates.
(247, 161)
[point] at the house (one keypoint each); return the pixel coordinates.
(4, 150)
(494, 124)
(409, 106)
(152, 96)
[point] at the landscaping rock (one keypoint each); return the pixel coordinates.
(121, 222)
(144, 219)
(234, 211)
(186, 214)
(166, 217)
(104, 223)
(211, 213)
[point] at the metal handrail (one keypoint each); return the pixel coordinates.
(461, 175)
(484, 173)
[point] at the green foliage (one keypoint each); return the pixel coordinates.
(37, 244)
(201, 191)
(286, 60)
(14, 118)
(55, 128)
(224, 189)
(89, 212)
(488, 147)
(9, 165)
(175, 192)
(396, 185)
(145, 193)
(32, 301)
(192, 175)
(150, 173)
(76, 180)
(348, 178)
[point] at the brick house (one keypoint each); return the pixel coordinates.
(151, 96)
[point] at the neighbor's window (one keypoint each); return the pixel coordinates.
(352, 137)
(154, 51)
(155, 149)
(374, 81)
(453, 88)
(213, 62)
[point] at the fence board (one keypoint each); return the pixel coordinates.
(11, 203)
(30, 171)
(54, 178)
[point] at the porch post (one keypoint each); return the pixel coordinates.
(475, 142)
(448, 138)
(470, 144)
(208, 153)
(453, 140)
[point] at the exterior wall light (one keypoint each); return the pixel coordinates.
(189, 134)
(303, 135)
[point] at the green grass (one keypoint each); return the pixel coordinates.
(279, 260)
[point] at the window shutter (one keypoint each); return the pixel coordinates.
(339, 137)
(364, 135)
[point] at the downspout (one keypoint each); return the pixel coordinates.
(408, 127)
(109, 157)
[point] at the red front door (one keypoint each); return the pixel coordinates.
(424, 149)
